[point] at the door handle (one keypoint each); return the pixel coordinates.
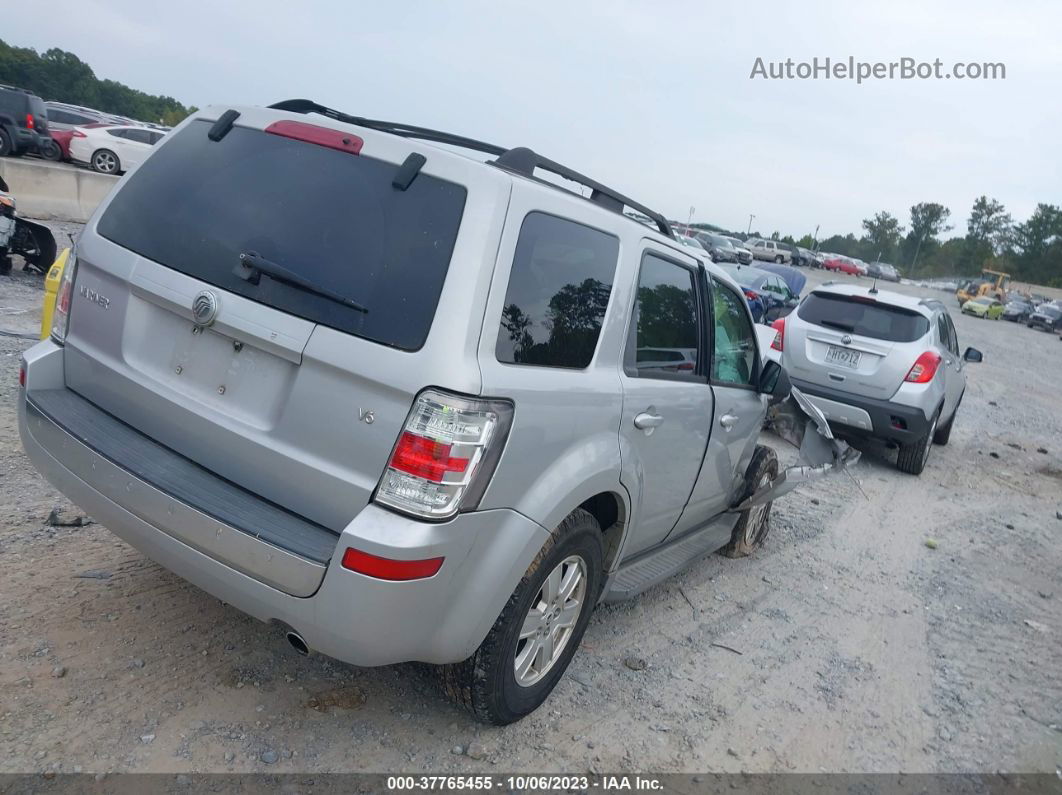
(728, 420)
(646, 421)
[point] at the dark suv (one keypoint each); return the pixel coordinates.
(23, 121)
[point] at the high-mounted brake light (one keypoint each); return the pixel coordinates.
(321, 136)
(924, 368)
(64, 295)
(778, 343)
(389, 569)
(445, 454)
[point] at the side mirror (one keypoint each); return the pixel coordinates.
(973, 355)
(774, 381)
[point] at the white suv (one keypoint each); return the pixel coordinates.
(769, 250)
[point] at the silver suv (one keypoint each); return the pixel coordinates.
(879, 364)
(406, 404)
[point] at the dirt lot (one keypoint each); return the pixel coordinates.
(847, 644)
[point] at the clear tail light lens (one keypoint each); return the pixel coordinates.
(924, 368)
(64, 295)
(445, 454)
(778, 343)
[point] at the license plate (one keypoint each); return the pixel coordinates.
(842, 356)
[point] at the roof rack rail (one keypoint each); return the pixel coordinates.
(519, 160)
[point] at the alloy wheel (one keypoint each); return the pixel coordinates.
(550, 621)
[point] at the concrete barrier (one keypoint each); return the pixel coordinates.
(54, 190)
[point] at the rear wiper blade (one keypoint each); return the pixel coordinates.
(252, 265)
(835, 324)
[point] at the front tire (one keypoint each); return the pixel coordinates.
(755, 523)
(529, 647)
(5, 144)
(105, 162)
(913, 457)
(779, 259)
(944, 431)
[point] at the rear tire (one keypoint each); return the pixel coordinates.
(105, 162)
(944, 431)
(912, 457)
(5, 144)
(755, 523)
(50, 150)
(486, 683)
(779, 259)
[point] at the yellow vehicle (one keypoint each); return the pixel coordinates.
(992, 284)
(51, 289)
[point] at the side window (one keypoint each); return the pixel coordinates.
(664, 333)
(734, 354)
(942, 331)
(117, 133)
(155, 137)
(140, 136)
(953, 338)
(558, 291)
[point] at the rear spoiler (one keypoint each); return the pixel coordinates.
(799, 421)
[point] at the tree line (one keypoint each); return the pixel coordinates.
(62, 76)
(1030, 251)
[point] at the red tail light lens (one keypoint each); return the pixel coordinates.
(685, 367)
(64, 295)
(78, 134)
(388, 569)
(22, 375)
(426, 458)
(445, 454)
(750, 295)
(30, 124)
(778, 343)
(924, 368)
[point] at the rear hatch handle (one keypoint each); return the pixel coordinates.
(799, 421)
(252, 265)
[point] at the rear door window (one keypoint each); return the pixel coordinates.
(863, 316)
(665, 331)
(333, 218)
(734, 340)
(559, 288)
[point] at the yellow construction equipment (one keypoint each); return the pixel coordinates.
(51, 289)
(992, 283)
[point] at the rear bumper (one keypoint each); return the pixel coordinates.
(882, 419)
(350, 616)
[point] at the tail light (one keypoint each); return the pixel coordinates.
(445, 454)
(924, 368)
(63, 296)
(778, 343)
(78, 134)
(29, 121)
(22, 374)
(685, 367)
(751, 295)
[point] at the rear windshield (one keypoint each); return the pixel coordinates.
(331, 217)
(863, 316)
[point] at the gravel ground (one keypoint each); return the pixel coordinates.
(846, 644)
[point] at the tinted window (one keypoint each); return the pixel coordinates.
(117, 133)
(953, 339)
(665, 319)
(331, 217)
(140, 136)
(863, 316)
(558, 291)
(734, 342)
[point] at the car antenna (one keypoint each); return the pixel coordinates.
(874, 288)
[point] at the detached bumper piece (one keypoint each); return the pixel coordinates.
(800, 422)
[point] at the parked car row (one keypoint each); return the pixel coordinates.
(107, 143)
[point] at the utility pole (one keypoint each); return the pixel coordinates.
(689, 220)
(815, 239)
(749, 230)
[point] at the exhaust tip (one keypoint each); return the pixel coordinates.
(297, 643)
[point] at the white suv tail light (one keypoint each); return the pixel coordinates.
(445, 454)
(63, 296)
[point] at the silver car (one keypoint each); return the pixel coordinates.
(879, 364)
(406, 404)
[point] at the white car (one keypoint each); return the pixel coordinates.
(112, 150)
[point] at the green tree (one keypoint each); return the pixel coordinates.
(1039, 246)
(929, 220)
(988, 232)
(62, 76)
(882, 234)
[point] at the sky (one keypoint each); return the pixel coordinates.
(654, 99)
